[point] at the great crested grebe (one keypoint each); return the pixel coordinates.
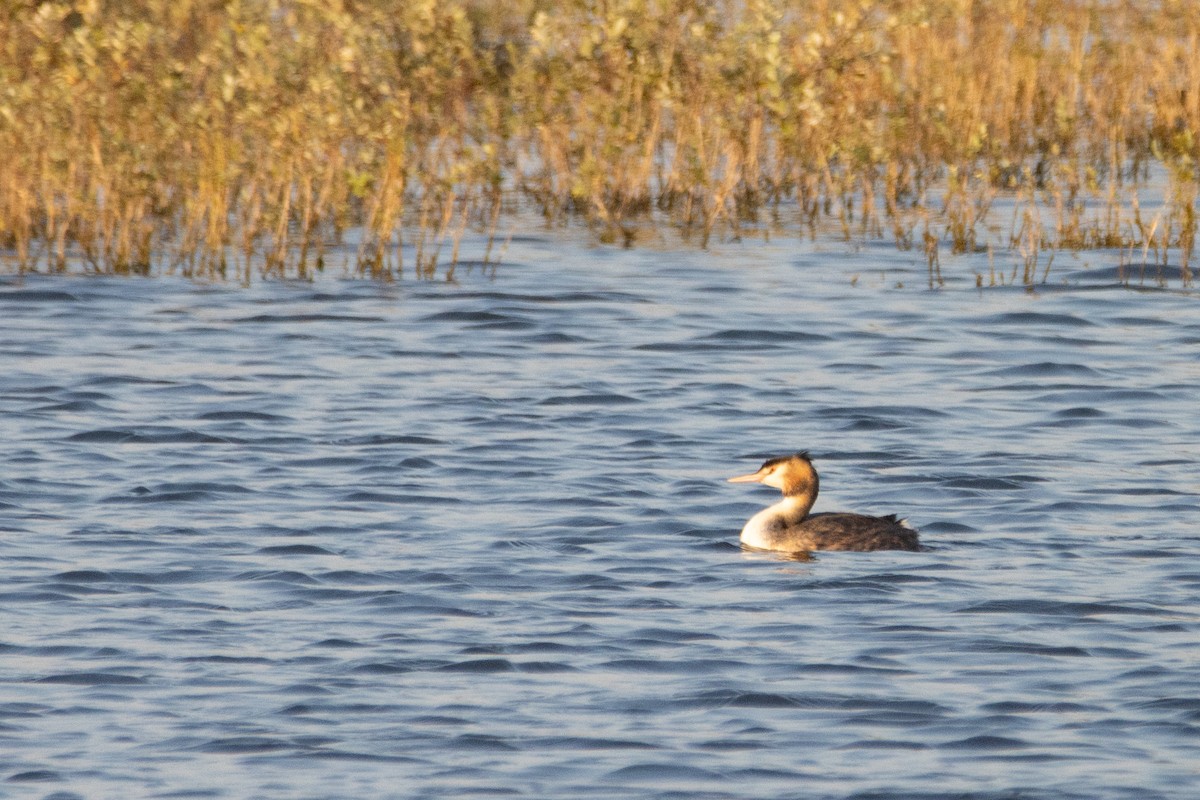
(788, 526)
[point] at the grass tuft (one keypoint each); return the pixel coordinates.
(248, 137)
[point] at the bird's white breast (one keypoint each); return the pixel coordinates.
(758, 530)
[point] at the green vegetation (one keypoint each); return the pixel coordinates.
(230, 136)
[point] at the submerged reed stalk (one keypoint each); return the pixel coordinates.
(250, 137)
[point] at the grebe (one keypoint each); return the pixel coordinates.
(788, 526)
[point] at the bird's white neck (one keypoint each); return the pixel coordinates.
(772, 522)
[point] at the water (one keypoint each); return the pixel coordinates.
(424, 540)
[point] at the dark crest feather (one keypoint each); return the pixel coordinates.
(770, 462)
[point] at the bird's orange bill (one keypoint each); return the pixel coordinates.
(753, 477)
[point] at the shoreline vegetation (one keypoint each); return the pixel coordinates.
(246, 137)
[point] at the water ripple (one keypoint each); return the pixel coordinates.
(341, 539)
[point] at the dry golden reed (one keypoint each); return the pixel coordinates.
(217, 137)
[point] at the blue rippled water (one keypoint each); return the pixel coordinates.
(350, 539)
